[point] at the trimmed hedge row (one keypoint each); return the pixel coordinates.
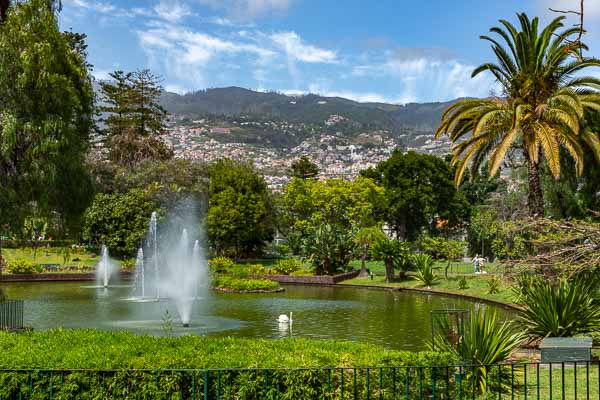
(90, 349)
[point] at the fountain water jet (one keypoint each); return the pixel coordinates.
(140, 273)
(179, 271)
(104, 268)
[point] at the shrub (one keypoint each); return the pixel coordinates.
(20, 266)
(219, 265)
(257, 269)
(302, 272)
(486, 342)
(287, 266)
(329, 248)
(2, 295)
(463, 283)
(425, 274)
(281, 250)
(493, 285)
(128, 263)
(560, 310)
(442, 249)
(226, 282)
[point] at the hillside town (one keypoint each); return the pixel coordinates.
(336, 153)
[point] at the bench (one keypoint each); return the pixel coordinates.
(568, 349)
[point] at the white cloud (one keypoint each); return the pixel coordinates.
(101, 74)
(172, 10)
(361, 97)
(174, 88)
(186, 55)
(296, 49)
(248, 9)
(91, 5)
(428, 79)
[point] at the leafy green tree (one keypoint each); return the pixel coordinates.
(169, 181)
(394, 254)
(482, 230)
(46, 109)
(543, 107)
(53, 5)
(418, 189)
(119, 220)
(329, 248)
(304, 168)
(240, 209)
(346, 204)
(365, 238)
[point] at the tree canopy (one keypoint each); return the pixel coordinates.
(418, 190)
(240, 214)
(304, 168)
(46, 109)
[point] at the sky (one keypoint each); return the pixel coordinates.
(394, 51)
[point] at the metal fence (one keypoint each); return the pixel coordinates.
(507, 381)
(11, 315)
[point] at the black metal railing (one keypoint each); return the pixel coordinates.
(573, 380)
(11, 315)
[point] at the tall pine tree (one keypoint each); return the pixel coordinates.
(133, 118)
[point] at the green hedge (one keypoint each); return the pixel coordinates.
(242, 284)
(89, 349)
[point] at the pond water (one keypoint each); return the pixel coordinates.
(398, 320)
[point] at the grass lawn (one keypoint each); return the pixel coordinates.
(54, 257)
(477, 283)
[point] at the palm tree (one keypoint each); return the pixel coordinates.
(393, 254)
(365, 238)
(541, 110)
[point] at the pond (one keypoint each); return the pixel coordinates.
(399, 320)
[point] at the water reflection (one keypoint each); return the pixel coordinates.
(394, 319)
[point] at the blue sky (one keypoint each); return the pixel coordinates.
(368, 50)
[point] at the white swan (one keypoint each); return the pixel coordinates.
(283, 319)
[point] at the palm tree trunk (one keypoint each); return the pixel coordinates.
(389, 271)
(535, 197)
(363, 266)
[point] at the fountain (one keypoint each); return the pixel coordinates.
(140, 273)
(178, 271)
(104, 268)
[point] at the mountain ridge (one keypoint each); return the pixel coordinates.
(309, 108)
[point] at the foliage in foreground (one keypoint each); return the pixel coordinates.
(68, 349)
(562, 309)
(73, 349)
(241, 284)
(46, 99)
(487, 341)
